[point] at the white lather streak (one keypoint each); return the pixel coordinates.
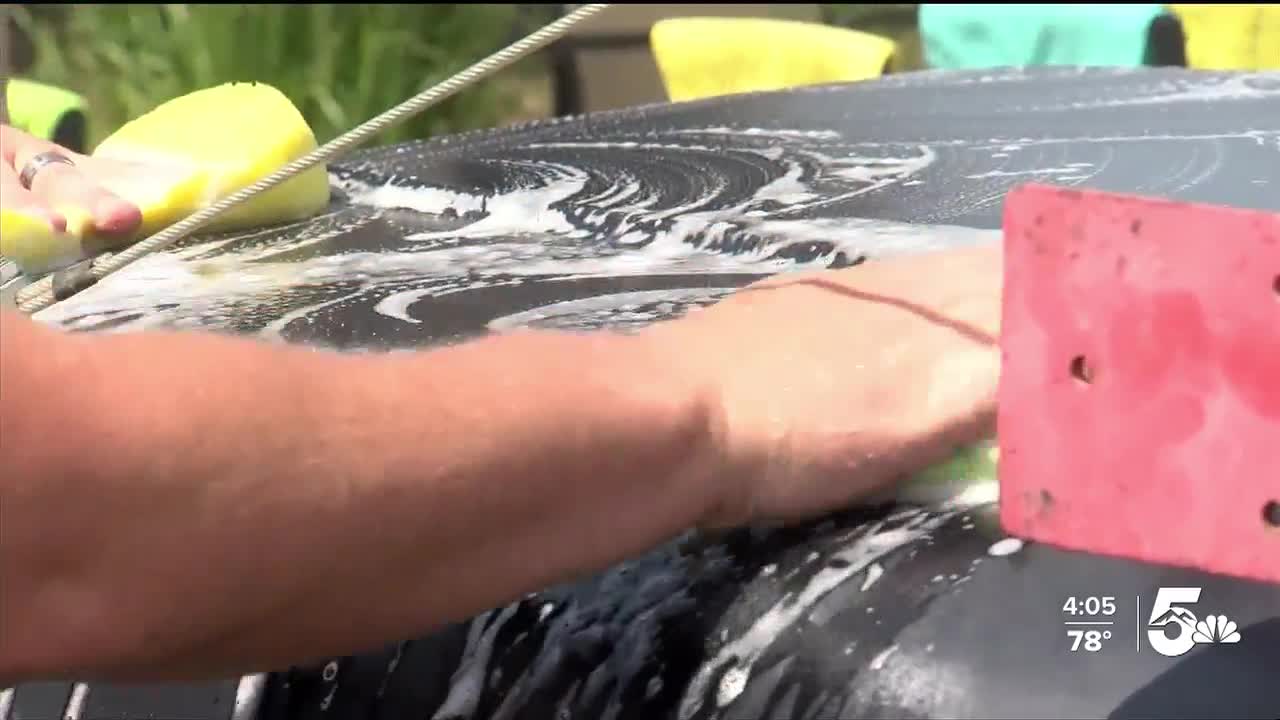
(738, 656)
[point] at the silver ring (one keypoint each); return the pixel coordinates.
(38, 162)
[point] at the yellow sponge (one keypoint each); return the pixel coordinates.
(700, 57)
(1231, 37)
(179, 158)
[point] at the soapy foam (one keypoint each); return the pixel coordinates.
(537, 229)
(738, 656)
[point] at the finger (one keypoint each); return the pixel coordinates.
(17, 147)
(15, 197)
(70, 186)
(65, 186)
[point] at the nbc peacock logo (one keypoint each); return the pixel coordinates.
(1216, 629)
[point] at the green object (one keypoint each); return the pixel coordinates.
(977, 462)
(340, 63)
(970, 477)
(44, 110)
(981, 36)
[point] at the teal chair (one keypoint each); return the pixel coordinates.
(980, 36)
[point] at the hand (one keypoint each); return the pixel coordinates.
(837, 384)
(59, 185)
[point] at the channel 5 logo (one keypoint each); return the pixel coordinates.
(1173, 629)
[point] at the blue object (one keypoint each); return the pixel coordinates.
(980, 36)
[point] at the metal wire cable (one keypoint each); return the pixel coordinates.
(48, 290)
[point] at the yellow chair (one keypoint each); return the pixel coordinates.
(47, 112)
(1231, 37)
(707, 57)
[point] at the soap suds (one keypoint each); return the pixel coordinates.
(1005, 547)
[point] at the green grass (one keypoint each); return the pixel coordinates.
(340, 63)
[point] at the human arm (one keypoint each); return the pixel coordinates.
(184, 505)
(187, 504)
(180, 505)
(190, 504)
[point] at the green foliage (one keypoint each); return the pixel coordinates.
(340, 63)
